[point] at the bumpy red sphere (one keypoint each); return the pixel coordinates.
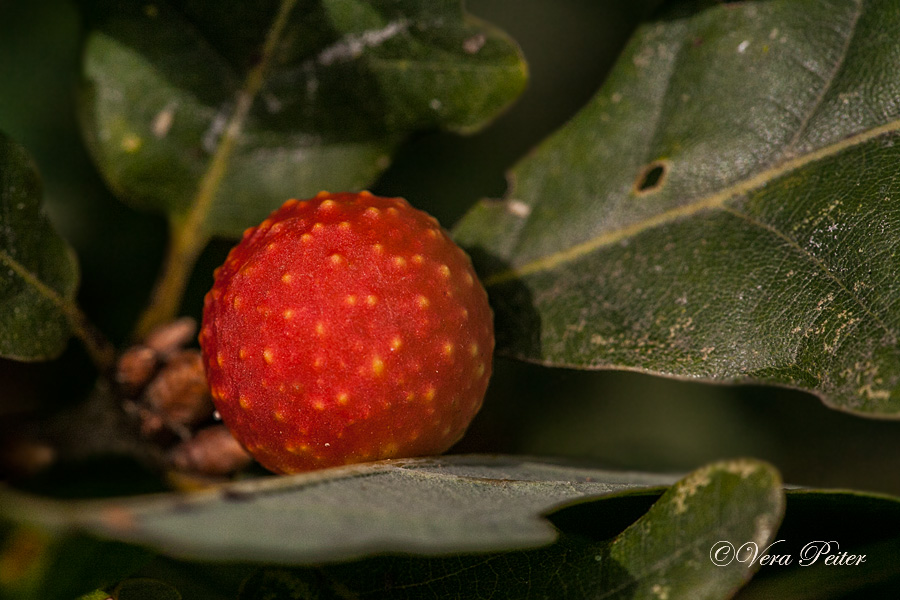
(346, 328)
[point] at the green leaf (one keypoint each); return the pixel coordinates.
(664, 554)
(189, 108)
(38, 270)
(667, 552)
(424, 506)
(723, 209)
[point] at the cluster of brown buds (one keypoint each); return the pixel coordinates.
(163, 386)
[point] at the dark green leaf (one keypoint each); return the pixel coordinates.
(36, 564)
(228, 113)
(38, 270)
(723, 209)
(425, 506)
(665, 554)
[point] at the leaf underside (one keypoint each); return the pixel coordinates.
(38, 270)
(464, 526)
(345, 81)
(663, 554)
(433, 508)
(426, 506)
(723, 209)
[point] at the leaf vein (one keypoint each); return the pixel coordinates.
(828, 81)
(713, 201)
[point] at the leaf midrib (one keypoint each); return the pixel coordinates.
(713, 201)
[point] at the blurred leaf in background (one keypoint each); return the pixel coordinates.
(38, 270)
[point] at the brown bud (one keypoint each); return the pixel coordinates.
(134, 369)
(179, 393)
(168, 339)
(212, 451)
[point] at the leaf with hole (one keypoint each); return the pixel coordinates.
(38, 270)
(722, 209)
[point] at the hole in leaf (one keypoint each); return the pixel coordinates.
(651, 177)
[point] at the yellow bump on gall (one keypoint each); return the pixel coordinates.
(220, 358)
(268, 355)
(287, 278)
(297, 448)
(327, 205)
(446, 431)
(318, 405)
(469, 279)
(242, 354)
(320, 328)
(479, 370)
(290, 203)
(288, 314)
(390, 450)
(399, 262)
(429, 393)
(244, 401)
(377, 366)
(465, 314)
(319, 362)
(306, 238)
(237, 302)
(263, 310)
(318, 227)
(350, 300)
(378, 248)
(371, 300)
(344, 225)
(432, 233)
(418, 259)
(473, 349)
(343, 398)
(445, 271)
(372, 212)
(366, 193)
(271, 246)
(410, 396)
(279, 416)
(323, 194)
(392, 211)
(396, 343)
(422, 301)
(337, 259)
